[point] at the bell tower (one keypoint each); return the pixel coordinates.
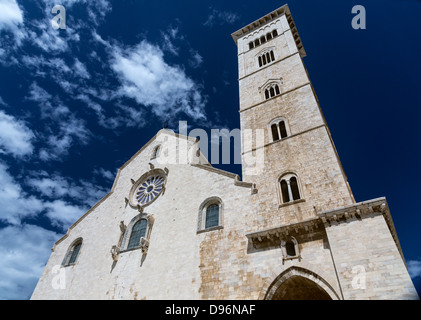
(300, 172)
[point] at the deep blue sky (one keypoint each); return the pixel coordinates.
(75, 104)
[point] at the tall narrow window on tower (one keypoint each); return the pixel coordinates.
(278, 129)
(289, 188)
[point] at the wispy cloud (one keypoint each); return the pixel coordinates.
(64, 129)
(152, 82)
(15, 137)
(220, 17)
(24, 250)
(414, 268)
(11, 18)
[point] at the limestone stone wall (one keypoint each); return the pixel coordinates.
(367, 259)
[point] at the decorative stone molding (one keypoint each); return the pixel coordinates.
(144, 245)
(276, 235)
(360, 211)
(115, 253)
(272, 284)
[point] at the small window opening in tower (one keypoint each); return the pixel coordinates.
(290, 248)
(283, 129)
(275, 135)
(284, 190)
(294, 188)
(268, 57)
(264, 59)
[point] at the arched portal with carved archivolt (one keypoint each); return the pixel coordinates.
(297, 283)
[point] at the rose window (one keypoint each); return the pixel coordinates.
(150, 189)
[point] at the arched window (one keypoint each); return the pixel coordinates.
(269, 36)
(290, 190)
(251, 45)
(274, 33)
(210, 215)
(272, 90)
(290, 249)
(72, 253)
(156, 152)
(294, 188)
(267, 94)
(275, 133)
(262, 39)
(256, 42)
(138, 231)
(266, 58)
(284, 189)
(282, 129)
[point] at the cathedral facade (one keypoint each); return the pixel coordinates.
(289, 229)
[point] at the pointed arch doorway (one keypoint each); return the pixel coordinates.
(299, 284)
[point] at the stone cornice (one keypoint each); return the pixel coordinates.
(359, 210)
(327, 219)
(236, 177)
(279, 232)
(260, 22)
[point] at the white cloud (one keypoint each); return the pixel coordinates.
(63, 214)
(414, 268)
(105, 174)
(11, 18)
(168, 37)
(63, 200)
(15, 204)
(80, 69)
(196, 59)
(60, 141)
(24, 251)
(148, 79)
(65, 129)
(221, 17)
(58, 187)
(15, 137)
